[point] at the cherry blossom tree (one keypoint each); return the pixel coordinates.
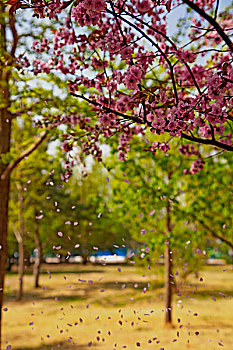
(136, 76)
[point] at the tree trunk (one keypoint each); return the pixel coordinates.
(38, 258)
(10, 263)
(5, 130)
(168, 271)
(4, 196)
(19, 237)
(84, 256)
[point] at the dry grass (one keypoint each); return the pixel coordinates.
(68, 313)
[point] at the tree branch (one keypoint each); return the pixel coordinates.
(109, 110)
(192, 138)
(200, 221)
(17, 234)
(221, 238)
(216, 10)
(24, 154)
(14, 34)
(208, 142)
(212, 21)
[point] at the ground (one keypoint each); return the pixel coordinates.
(108, 307)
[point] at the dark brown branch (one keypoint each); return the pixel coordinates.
(24, 154)
(208, 142)
(216, 10)
(118, 24)
(212, 21)
(152, 28)
(66, 4)
(109, 110)
(14, 34)
(140, 121)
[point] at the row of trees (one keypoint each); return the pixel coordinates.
(48, 215)
(149, 200)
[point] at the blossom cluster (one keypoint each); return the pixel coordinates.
(162, 146)
(188, 150)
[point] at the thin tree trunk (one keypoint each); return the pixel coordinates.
(10, 263)
(20, 241)
(5, 129)
(38, 258)
(84, 256)
(85, 243)
(168, 271)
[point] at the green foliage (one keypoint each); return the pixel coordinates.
(146, 184)
(73, 216)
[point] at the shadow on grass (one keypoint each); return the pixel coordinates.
(124, 285)
(72, 270)
(213, 293)
(80, 291)
(61, 346)
(27, 297)
(211, 324)
(120, 301)
(58, 272)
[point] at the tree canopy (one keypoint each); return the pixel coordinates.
(136, 75)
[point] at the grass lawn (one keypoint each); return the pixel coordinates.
(107, 307)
